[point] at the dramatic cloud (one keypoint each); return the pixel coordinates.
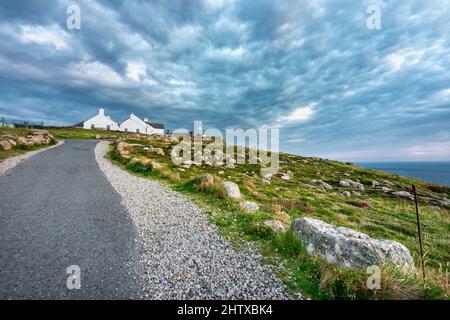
(313, 69)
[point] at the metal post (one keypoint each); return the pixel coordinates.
(418, 229)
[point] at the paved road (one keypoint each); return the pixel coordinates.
(56, 210)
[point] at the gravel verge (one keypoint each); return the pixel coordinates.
(180, 252)
(12, 162)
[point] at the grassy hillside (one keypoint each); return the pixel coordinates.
(9, 134)
(379, 214)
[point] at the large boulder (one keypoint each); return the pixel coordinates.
(232, 190)
(349, 248)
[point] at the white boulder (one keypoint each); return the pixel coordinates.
(349, 248)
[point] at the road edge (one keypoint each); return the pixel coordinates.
(12, 162)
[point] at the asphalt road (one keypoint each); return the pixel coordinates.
(57, 210)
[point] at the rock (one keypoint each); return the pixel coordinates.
(349, 248)
(124, 148)
(13, 143)
(375, 183)
(232, 190)
(159, 151)
(387, 183)
(346, 183)
(346, 194)
(156, 165)
(250, 206)
(98, 136)
(39, 140)
(322, 183)
(265, 181)
(403, 194)
(343, 184)
(6, 145)
(24, 141)
(356, 194)
(288, 175)
(221, 172)
(150, 149)
(305, 185)
(275, 225)
(39, 132)
(384, 189)
(205, 180)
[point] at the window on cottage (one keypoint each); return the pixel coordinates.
(108, 127)
(137, 130)
(92, 126)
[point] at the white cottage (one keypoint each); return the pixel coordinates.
(138, 125)
(100, 121)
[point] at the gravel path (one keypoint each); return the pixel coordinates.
(181, 254)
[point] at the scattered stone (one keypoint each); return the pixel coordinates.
(346, 183)
(356, 194)
(322, 183)
(6, 145)
(158, 151)
(349, 248)
(124, 148)
(288, 175)
(205, 180)
(346, 194)
(156, 165)
(232, 190)
(221, 172)
(384, 189)
(24, 141)
(275, 225)
(403, 194)
(250, 206)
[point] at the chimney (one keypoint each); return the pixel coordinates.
(146, 119)
(101, 111)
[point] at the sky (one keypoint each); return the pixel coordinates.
(312, 69)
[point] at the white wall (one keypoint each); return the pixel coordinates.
(133, 124)
(101, 121)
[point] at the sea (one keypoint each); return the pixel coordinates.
(431, 171)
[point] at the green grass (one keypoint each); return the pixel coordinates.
(375, 213)
(75, 133)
